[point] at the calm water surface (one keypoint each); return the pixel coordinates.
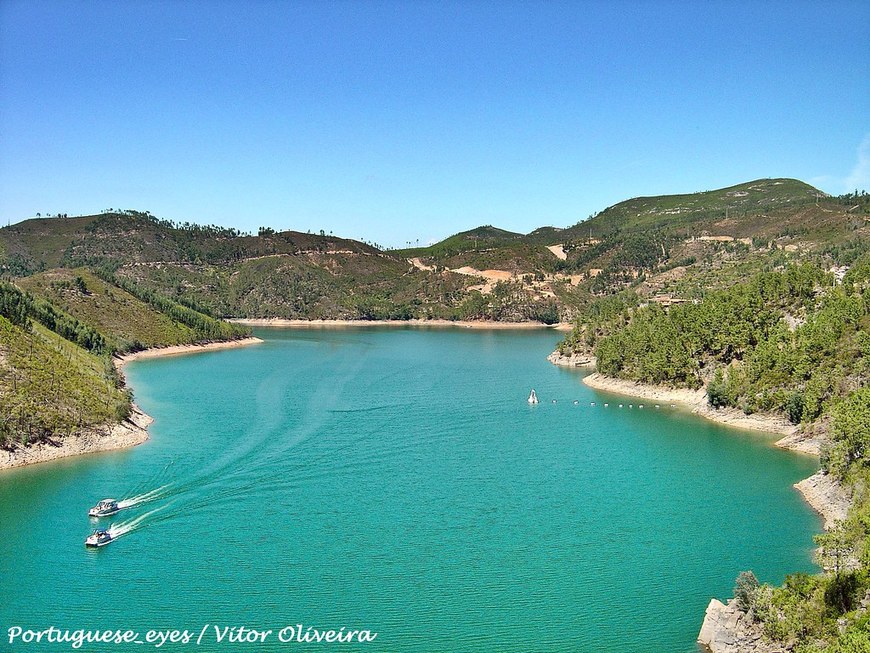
(397, 481)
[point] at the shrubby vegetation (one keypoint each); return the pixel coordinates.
(13, 305)
(204, 326)
(50, 387)
(68, 327)
(507, 302)
(789, 341)
(56, 372)
(18, 308)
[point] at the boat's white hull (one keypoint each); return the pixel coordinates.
(97, 513)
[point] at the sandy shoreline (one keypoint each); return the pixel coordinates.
(466, 324)
(177, 350)
(109, 437)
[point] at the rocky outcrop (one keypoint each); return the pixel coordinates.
(826, 496)
(803, 442)
(573, 360)
(727, 629)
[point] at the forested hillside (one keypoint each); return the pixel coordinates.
(50, 387)
(56, 347)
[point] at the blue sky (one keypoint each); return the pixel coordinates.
(395, 122)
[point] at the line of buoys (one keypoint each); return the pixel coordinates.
(533, 399)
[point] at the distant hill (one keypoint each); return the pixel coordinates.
(482, 273)
(225, 273)
(725, 208)
(135, 237)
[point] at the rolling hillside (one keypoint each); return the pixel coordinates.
(657, 245)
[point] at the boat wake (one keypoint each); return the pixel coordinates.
(262, 454)
(124, 527)
(143, 498)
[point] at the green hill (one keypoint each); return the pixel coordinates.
(703, 210)
(667, 244)
(50, 387)
(128, 323)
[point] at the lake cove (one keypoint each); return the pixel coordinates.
(397, 482)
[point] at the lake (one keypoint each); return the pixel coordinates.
(397, 482)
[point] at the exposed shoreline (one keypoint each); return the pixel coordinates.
(574, 360)
(696, 401)
(826, 496)
(108, 437)
(278, 322)
(177, 350)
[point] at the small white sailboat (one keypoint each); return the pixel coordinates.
(533, 398)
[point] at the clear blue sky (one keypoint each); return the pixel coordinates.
(399, 121)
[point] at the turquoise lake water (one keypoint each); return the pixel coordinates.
(397, 481)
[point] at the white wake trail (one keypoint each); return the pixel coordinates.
(142, 498)
(124, 527)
